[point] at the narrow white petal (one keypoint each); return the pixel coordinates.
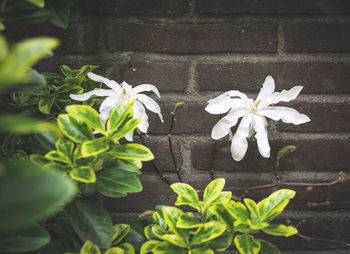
(150, 104)
(109, 103)
(261, 135)
(284, 96)
(236, 93)
(110, 83)
(267, 88)
(146, 88)
(130, 136)
(104, 115)
(96, 92)
(286, 114)
(224, 104)
(223, 126)
(140, 112)
(125, 86)
(239, 143)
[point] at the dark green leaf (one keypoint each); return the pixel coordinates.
(268, 248)
(87, 114)
(136, 235)
(120, 231)
(168, 248)
(74, 129)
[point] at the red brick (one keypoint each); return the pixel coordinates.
(316, 77)
(274, 6)
(167, 76)
(134, 7)
(311, 154)
(78, 38)
(191, 38)
(325, 117)
(333, 37)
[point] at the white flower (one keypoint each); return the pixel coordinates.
(253, 115)
(122, 92)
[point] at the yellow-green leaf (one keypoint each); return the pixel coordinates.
(131, 163)
(74, 129)
(94, 147)
(253, 208)
(127, 247)
(186, 195)
(45, 104)
(132, 151)
(87, 114)
(39, 3)
(186, 221)
(173, 239)
(83, 174)
(201, 251)
(168, 248)
(238, 210)
(283, 152)
(114, 250)
(57, 157)
(220, 211)
(148, 246)
(246, 244)
(268, 248)
(38, 159)
(119, 114)
(207, 232)
(171, 216)
(280, 230)
(90, 248)
(65, 146)
(213, 190)
(120, 231)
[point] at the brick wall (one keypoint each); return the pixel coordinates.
(193, 50)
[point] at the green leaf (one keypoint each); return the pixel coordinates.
(246, 244)
(131, 163)
(114, 250)
(222, 213)
(173, 239)
(274, 204)
(220, 243)
(129, 124)
(115, 183)
(154, 232)
(280, 230)
(186, 221)
(45, 105)
(283, 152)
(201, 251)
(94, 147)
(186, 195)
(92, 222)
(29, 193)
(39, 3)
(38, 159)
(74, 129)
(57, 157)
(60, 12)
(171, 216)
(207, 232)
(213, 190)
(29, 239)
(120, 231)
(13, 68)
(83, 174)
(119, 114)
(127, 247)
(48, 138)
(24, 125)
(66, 70)
(132, 152)
(253, 208)
(79, 159)
(90, 248)
(168, 248)
(83, 71)
(268, 248)
(136, 235)
(238, 210)
(87, 114)
(148, 246)
(65, 146)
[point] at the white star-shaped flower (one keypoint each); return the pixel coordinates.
(122, 92)
(253, 115)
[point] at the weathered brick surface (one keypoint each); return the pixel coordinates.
(167, 76)
(134, 7)
(311, 154)
(274, 6)
(334, 37)
(79, 38)
(325, 117)
(191, 38)
(192, 118)
(316, 77)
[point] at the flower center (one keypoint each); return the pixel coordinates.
(124, 96)
(253, 108)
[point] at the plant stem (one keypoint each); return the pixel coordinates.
(160, 173)
(309, 239)
(171, 148)
(212, 160)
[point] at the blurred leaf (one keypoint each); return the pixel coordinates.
(90, 248)
(45, 105)
(136, 235)
(39, 3)
(92, 222)
(29, 239)
(29, 193)
(60, 12)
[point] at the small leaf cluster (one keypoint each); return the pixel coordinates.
(222, 223)
(59, 13)
(111, 166)
(53, 95)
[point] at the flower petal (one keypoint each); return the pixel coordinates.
(150, 104)
(223, 104)
(104, 115)
(239, 143)
(109, 103)
(146, 88)
(130, 136)
(110, 83)
(286, 114)
(223, 126)
(140, 112)
(96, 92)
(284, 96)
(267, 88)
(260, 123)
(126, 86)
(236, 93)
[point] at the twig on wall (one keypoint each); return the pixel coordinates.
(170, 138)
(309, 239)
